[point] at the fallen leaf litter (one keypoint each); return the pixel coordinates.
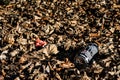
(39, 39)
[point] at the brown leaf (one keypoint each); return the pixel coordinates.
(67, 45)
(112, 73)
(116, 6)
(85, 77)
(40, 76)
(94, 35)
(22, 59)
(58, 76)
(97, 68)
(25, 66)
(3, 72)
(66, 64)
(14, 53)
(22, 41)
(118, 27)
(50, 49)
(73, 23)
(10, 39)
(17, 78)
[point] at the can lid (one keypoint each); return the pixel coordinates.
(80, 60)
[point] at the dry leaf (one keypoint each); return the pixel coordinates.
(10, 39)
(24, 66)
(47, 69)
(116, 6)
(52, 49)
(2, 56)
(40, 76)
(14, 53)
(49, 50)
(97, 68)
(17, 78)
(67, 45)
(58, 76)
(94, 35)
(66, 64)
(73, 23)
(107, 64)
(3, 72)
(22, 41)
(111, 73)
(111, 47)
(107, 61)
(85, 77)
(112, 30)
(22, 59)
(118, 27)
(5, 52)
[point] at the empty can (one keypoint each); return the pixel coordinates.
(86, 55)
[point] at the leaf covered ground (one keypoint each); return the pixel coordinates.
(67, 26)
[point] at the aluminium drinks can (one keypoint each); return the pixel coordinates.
(85, 56)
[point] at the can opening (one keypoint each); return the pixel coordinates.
(79, 60)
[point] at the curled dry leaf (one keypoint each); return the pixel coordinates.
(85, 77)
(112, 73)
(14, 53)
(94, 34)
(97, 68)
(70, 31)
(57, 25)
(58, 76)
(67, 45)
(48, 29)
(116, 6)
(60, 38)
(50, 49)
(3, 72)
(107, 64)
(17, 78)
(25, 66)
(111, 47)
(40, 77)
(34, 36)
(118, 67)
(73, 23)
(2, 56)
(107, 61)
(22, 41)
(66, 64)
(31, 67)
(50, 39)
(118, 27)
(10, 39)
(22, 59)
(112, 30)
(5, 52)
(47, 69)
